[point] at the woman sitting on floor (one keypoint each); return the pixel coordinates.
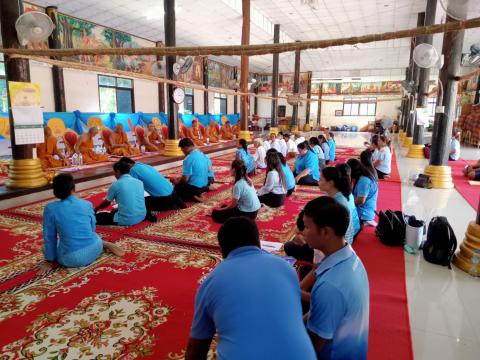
(365, 190)
(289, 177)
(315, 145)
(346, 173)
(306, 166)
(244, 155)
(69, 229)
(274, 190)
(326, 149)
(383, 158)
(337, 187)
(244, 200)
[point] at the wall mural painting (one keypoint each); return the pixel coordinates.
(219, 74)
(285, 83)
(77, 33)
(135, 63)
(38, 45)
(380, 87)
(195, 74)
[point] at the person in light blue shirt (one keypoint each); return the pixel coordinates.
(194, 180)
(307, 171)
(315, 145)
(332, 146)
(366, 189)
(244, 200)
(289, 177)
(251, 300)
(244, 155)
(128, 193)
(211, 172)
(69, 229)
(338, 320)
(346, 175)
(162, 195)
(454, 153)
(326, 149)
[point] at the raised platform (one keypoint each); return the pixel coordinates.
(90, 174)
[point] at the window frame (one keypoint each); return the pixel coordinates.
(430, 101)
(221, 97)
(358, 101)
(192, 95)
(116, 87)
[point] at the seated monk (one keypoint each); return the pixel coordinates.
(211, 132)
(47, 150)
(226, 131)
(84, 146)
(195, 133)
(154, 139)
(119, 143)
(182, 130)
(236, 130)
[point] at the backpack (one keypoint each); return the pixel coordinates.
(441, 242)
(391, 228)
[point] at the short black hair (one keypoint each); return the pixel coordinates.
(326, 211)
(300, 222)
(185, 142)
(122, 167)
(237, 232)
(63, 186)
(127, 160)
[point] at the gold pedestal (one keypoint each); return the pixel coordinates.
(274, 130)
(26, 174)
(468, 258)
(407, 141)
(440, 176)
(294, 129)
(416, 151)
(401, 136)
(172, 149)
(307, 127)
(245, 134)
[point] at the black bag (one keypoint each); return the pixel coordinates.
(391, 228)
(441, 242)
(423, 181)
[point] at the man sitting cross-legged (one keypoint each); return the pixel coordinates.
(119, 143)
(84, 146)
(69, 229)
(251, 300)
(128, 194)
(162, 194)
(339, 308)
(194, 180)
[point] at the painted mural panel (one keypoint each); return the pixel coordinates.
(141, 63)
(195, 74)
(81, 34)
(285, 83)
(219, 74)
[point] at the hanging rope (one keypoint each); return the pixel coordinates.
(252, 50)
(101, 69)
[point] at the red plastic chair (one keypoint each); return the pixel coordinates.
(106, 135)
(165, 132)
(70, 139)
(140, 133)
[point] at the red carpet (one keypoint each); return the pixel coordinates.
(390, 336)
(469, 192)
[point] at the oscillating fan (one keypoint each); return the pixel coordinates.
(33, 26)
(472, 58)
(294, 99)
(426, 56)
(233, 84)
(252, 84)
(182, 65)
(261, 123)
(157, 69)
(456, 9)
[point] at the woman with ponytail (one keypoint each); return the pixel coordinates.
(346, 176)
(383, 159)
(244, 155)
(306, 166)
(244, 201)
(365, 190)
(274, 190)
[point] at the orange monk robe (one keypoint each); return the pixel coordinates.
(46, 151)
(212, 134)
(122, 139)
(90, 156)
(195, 134)
(226, 132)
(155, 142)
(236, 130)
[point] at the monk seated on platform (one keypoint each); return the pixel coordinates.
(154, 139)
(119, 145)
(84, 146)
(236, 130)
(195, 133)
(212, 132)
(47, 151)
(226, 131)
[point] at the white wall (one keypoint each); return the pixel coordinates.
(81, 90)
(230, 104)
(42, 74)
(146, 96)
(198, 101)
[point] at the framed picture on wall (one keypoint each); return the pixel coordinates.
(338, 112)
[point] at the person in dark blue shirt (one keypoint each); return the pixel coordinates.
(69, 229)
(194, 180)
(251, 300)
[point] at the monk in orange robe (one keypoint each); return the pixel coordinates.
(211, 132)
(182, 130)
(47, 151)
(154, 139)
(119, 143)
(226, 131)
(84, 146)
(236, 130)
(195, 133)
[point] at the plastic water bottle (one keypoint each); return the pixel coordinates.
(75, 159)
(80, 159)
(475, 261)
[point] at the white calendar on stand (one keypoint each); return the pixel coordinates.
(28, 124)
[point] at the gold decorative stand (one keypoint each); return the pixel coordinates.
(468, 257)
(407, 141)
(401, 136)
(307, 127)
(245, 134)
(440, 176)
(274, 130)
(26, 174)
(416, 151)
(171, 148)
